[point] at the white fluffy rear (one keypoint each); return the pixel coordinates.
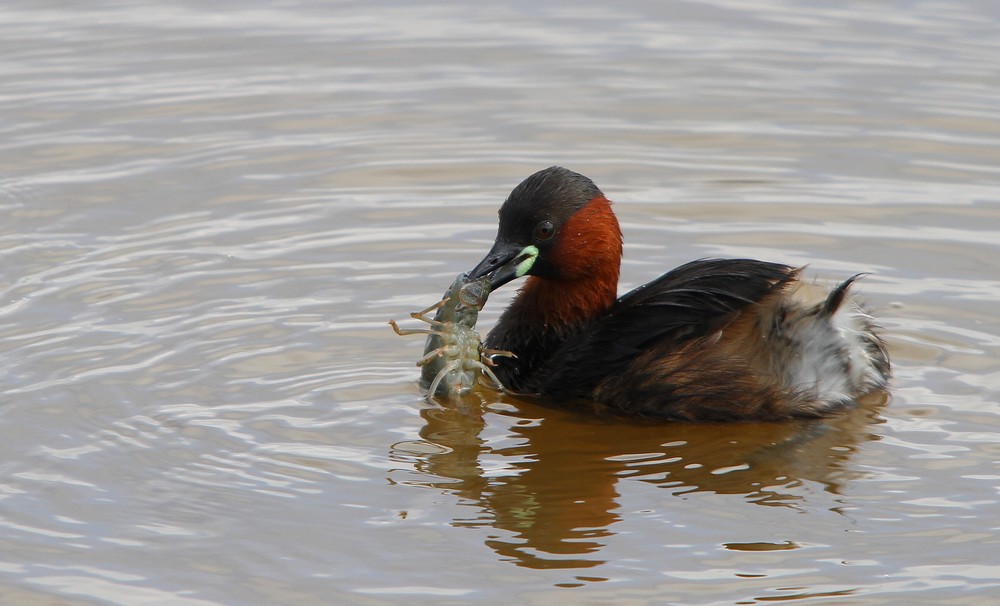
(831, 354)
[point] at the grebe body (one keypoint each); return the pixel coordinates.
(712, 340)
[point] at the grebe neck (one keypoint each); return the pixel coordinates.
(544, 314)
(561, 305)
(588, 255)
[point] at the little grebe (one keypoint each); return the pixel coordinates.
(713, 340)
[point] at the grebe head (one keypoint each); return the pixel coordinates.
(555, 225)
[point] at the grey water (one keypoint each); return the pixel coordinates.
(208, 213)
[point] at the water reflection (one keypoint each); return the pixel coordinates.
(548, 478)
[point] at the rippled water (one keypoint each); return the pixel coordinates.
(209, 215)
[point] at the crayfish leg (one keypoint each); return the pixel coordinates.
(419, 315)
(413, 331)
(487, 372)
(440, 376)
(444, 350)
(485, 354)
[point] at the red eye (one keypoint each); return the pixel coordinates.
(544, 231)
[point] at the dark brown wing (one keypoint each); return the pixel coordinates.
(691, 301)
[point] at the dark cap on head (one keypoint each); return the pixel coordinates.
(531, 220)
(553, 193)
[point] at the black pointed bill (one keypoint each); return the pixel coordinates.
(505, 262)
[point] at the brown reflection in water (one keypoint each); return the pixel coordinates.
(547, 477)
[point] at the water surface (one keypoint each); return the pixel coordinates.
(210, 214)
